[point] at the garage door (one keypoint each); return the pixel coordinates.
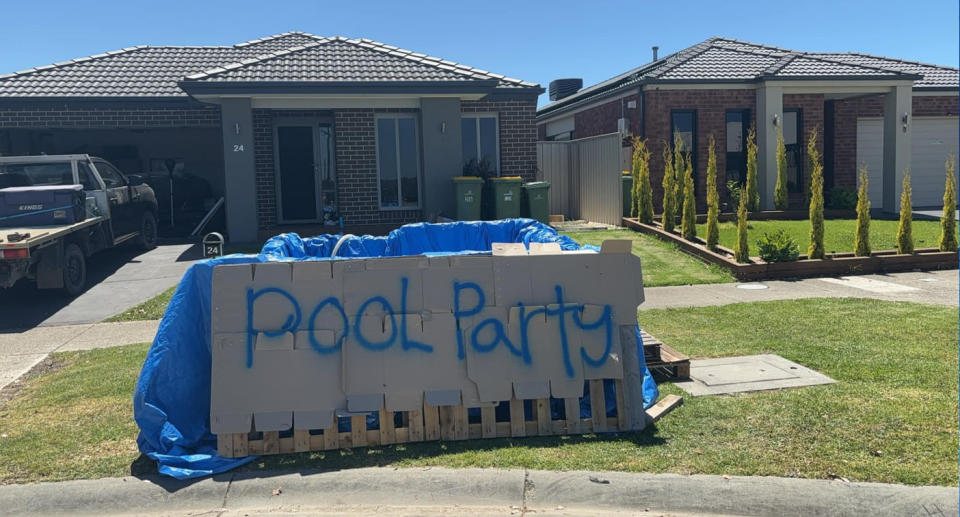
(934, 138)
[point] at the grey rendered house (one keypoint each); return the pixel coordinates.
(889, 113)
(296, 131)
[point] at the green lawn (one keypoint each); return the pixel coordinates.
(838, 234)
(151, 309)
(662, 262)
(892, 417)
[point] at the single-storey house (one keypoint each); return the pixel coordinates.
(888, 113)
(296, 131)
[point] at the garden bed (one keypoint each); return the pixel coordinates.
(886, 261)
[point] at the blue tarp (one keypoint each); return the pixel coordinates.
(171, 404)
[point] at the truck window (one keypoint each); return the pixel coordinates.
(87, 178)
(111, 176)
(35, 174)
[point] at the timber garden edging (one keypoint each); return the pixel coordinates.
(885, 261)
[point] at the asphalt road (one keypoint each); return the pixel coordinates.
(118, 278)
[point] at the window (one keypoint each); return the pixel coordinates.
(87, 179)
(35, 174)
(684, 123)
(738, 125)
(481, 155)
(111, 177)
(398, 161)
(567, 135)
(793, 142)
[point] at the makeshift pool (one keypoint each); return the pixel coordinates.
(172, 401)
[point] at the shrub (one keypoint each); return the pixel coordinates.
(816, 203)
(688, 224)
(778, 247)
(669, 208)
(948, 222)
(734, 190)
(752, 186)
(780, 199)
(741, 249)
(842, 198)
(861, 238)
(905, 229)
(642, 190)
(713, 197)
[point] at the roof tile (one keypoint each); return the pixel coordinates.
(146, 71)
(724, 59)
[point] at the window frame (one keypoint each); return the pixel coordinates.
(123, 179)
(416, 137)
(746, 122)
(801, 150)
(693, 138)
(496, 134)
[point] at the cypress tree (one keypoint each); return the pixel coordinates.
(679, 168)
(642, 190)
(689, 221)
(752, 188)
(780, 199)
(813, 159)
(948, 222)
(669, 208)
(816, 205)
(861, 239)
(635, 176)
(905, 229)
(741, 249)
(713, 197)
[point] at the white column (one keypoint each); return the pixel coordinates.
(769, 109)
(897, 135)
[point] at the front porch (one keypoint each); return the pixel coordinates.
(779, 109)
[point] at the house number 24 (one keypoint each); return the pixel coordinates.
(238, 148)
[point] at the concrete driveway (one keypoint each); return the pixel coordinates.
(118, 278)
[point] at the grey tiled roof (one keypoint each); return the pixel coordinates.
(724, 60)
(155, 71)
(340, 59)
(934, 76)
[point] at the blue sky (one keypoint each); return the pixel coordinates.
(534, 41)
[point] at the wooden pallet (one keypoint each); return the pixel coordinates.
(666, 363)
(437, 423)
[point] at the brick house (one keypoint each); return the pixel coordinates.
(862, 106)
(295, 131)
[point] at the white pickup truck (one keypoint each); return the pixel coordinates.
(117, 209)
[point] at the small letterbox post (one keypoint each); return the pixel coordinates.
(212, 245)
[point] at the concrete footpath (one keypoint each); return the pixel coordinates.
(934, 287)
(21, 351)
(439, 491)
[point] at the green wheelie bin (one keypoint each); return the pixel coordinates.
(506, 196)
(467, 190)
(627, 184)
(536, 201)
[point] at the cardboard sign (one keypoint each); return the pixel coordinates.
(295, 343)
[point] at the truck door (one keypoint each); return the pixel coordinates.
(122, 219)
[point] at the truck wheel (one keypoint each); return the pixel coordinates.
(148, 232)
(74, 270)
